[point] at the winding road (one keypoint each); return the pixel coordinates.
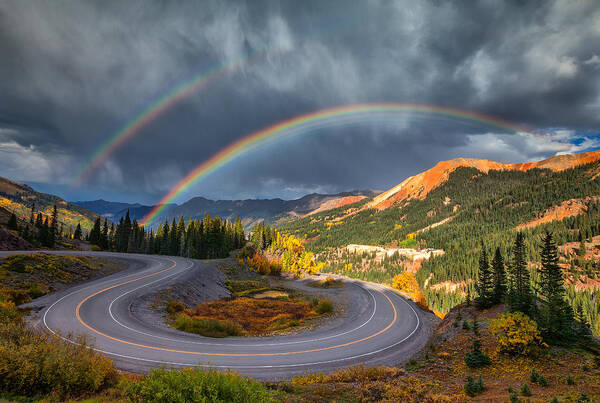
(378, 326)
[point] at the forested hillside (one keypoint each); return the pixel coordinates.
(471, 207)
(20, 199)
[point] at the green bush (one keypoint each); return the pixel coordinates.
(324, 307)
(473, 388)
(207, 327)
(534, 376)
(33, 364)
(583, 398)
(525, 390)
(476, 358)
(570, 380)
(194, 385)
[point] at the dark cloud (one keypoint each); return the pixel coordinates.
(74, 73)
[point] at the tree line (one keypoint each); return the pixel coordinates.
(206, 238)
(40, 230)
(544, 298)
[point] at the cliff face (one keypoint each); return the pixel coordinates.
(418, 186)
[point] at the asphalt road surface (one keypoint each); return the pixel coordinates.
(378, 326)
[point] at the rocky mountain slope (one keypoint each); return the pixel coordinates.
(419, 186)
(457, 205)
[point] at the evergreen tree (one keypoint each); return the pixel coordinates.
(519, 295)
(53, 227)
(77, 234)
(485, 285)
(582, 328)
(32, 217)
(44, 233)
(39, 221)
(581, 251)
(555, 316)
(499, 275)
(104, 235)
(94, 236)
(12, 222)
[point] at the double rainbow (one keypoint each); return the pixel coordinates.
(325, 118)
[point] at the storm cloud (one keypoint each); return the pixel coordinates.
(73, 73)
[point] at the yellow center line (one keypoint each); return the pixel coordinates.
(215, 354)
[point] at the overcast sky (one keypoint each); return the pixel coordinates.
(73, 73)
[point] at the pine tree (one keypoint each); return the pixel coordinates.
(520, 295)
(582, 328)
(104, 235)
(32, 217)
(556, 315)
(39, 221)
(44, 233)
(94, 236)
(581, 251)
(53, 232)
(499, 275)
(12, 222)
(484, 284)
(77, 234)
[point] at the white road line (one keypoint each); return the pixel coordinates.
(237, 345)
(239, 366)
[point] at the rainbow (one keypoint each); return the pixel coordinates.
(153, 111)
(326, 118)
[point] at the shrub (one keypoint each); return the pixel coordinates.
(33, 364)
(96, 248)
(466, 326)
(534, 376)
(175, 306)
(542, 381)
(36, 291)
(525, 390)
(514, 398)
(324, 307)
(476, 358)
(8, 312)
(515, 333)
(207, 327)
(570, 380)
(583, 397)
(194, 385)
(473, 388)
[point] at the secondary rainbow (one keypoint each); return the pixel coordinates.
(338, 116)
(153, 111)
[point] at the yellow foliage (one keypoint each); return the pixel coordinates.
(516, 333)
(397, 226)
(412, 235)
(407, 283)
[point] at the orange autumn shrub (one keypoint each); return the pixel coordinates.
(256, 316)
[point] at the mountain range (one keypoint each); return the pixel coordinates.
(456, 207)
(250, 211)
